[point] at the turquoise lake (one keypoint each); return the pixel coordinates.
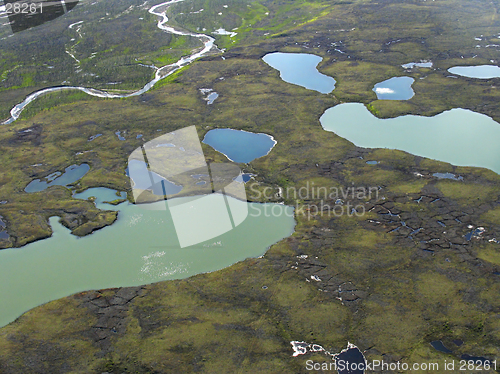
(480, 71)
(71, 174)
(141, 247)
(239, 146)
(397, 88)
(458, 136)
(300, 69)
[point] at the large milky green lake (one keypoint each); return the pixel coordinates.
(141, 247)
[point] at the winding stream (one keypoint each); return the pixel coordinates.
(161, 73)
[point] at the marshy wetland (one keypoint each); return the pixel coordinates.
(427, 282)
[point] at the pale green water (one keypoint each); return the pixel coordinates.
(479, 72)
(140, 247)
(300, 69)
(458, 136)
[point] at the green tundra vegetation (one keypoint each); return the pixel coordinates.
(383, 285)
(113, 48)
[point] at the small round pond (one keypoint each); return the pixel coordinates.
(239, 146)
(397, 88)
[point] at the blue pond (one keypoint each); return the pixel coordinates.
(349, 361)
(94, 137)
(71, 174)
(448, 176)
(458, 342)
(147, 180)
(243, 178)
(480, 72)
(473, 233)
(397, 88)
(300, 69)
(211, 97)
(439, 346)
(239, 146)
(119, 134)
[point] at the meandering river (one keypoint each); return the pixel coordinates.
(161, 73)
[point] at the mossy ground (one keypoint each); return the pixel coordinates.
(387, 292)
